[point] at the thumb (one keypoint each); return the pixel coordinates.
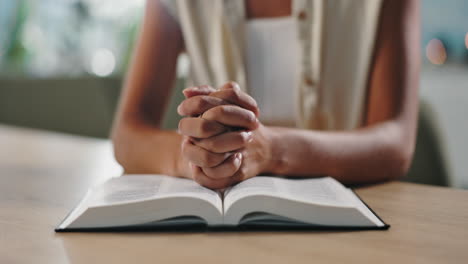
(230, 85)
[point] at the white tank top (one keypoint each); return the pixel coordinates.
(272, 60)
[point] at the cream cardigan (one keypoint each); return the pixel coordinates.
(337, 41)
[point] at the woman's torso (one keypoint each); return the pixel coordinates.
(336, 40)
(272, 59)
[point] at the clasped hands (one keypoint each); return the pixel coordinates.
(223, 141)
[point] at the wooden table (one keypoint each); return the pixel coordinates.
(43, 175)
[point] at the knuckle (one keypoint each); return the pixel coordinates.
(251, 119)
(231, 84)
(234, 85)
(200, 102)
(221, 110)
(234, 94)
(243, 138)
(216, 113)
(205, 128)
(209, 114)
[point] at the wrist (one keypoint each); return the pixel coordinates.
(276, 154)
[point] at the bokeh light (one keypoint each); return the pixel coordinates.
(103, 62)
(436, 52)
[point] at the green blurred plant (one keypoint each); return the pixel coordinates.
(15, 52)
(71, 42)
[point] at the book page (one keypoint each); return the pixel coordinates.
(326, 190)
(133, 200)
(134, 188)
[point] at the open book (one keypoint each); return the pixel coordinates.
(158, 201)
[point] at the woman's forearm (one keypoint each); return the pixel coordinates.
(140, 145)
(371, 154)
(142, 148)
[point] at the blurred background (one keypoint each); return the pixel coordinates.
(62, 62)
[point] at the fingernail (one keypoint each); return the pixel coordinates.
(189, 89)
(235, 85)
(193, 88)
(238, 159)
(248, 135)
(179, 108)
